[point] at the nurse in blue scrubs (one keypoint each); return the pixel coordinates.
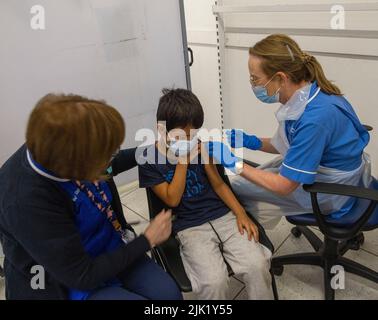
(319, 136)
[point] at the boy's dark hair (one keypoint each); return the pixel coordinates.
(179, 108)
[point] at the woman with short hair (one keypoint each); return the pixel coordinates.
(56, 210)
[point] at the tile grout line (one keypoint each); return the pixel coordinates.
(367, 251)
(136, 213)
(234, 276)
(239, 293)
(275, 251)
(127, 193)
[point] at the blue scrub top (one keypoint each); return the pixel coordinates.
(327, 134)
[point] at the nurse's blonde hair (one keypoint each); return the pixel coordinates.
(279, 52)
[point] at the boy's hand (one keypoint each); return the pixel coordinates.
(245, 223)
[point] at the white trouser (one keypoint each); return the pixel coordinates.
(205, 266)
(267, 207)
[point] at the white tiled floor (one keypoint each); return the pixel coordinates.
(297, 282)
(137, 201)
(306, 282)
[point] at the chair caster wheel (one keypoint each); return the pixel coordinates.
(278, 271)
(357, 241)
(296, 232)
(360, 238)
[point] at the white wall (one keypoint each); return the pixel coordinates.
(123, 51)
(350, 61)
(201, 31)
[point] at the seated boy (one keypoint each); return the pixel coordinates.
(210, 223)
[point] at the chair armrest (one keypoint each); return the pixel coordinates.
(170, 258)
(342, 190)
(264, 239)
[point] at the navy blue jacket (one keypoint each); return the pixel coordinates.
(37, 227)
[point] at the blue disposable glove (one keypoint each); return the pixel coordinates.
(222, 154)
(238, 139)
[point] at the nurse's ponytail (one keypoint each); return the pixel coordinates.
(315, 72)
(279, 52)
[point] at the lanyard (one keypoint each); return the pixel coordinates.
(102, 204)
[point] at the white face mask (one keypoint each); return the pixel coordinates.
(182, 148)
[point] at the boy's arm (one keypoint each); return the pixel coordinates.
(171, 193)
(222, 190)
(228, 197)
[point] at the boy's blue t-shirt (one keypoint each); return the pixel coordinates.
(199, 203)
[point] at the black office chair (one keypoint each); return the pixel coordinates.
(168, 256)
(340, 235)
(117, 206)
